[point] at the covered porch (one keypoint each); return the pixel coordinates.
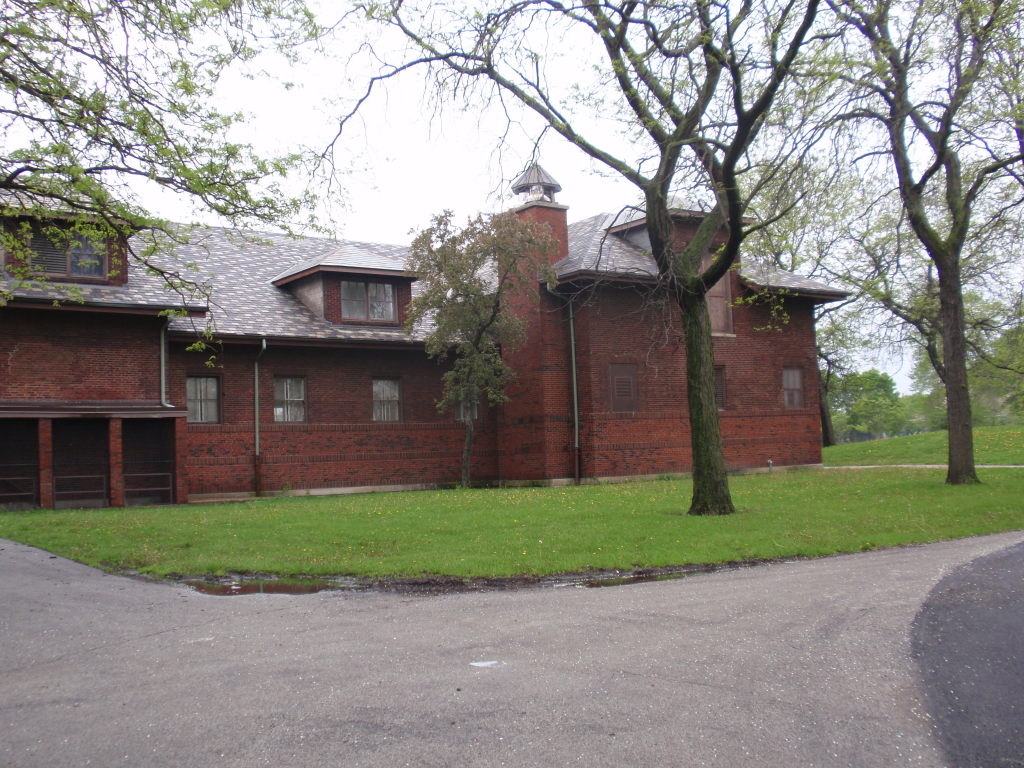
(89, 454)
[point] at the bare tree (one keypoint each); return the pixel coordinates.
(939, 84)
(688, 91)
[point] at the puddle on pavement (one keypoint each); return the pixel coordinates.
(637, 579)
(238, 584)
(265, 587)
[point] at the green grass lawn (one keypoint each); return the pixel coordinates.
(992, 445)
(503, 532)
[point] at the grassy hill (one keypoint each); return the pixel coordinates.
(992, 445)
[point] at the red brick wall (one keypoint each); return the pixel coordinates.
(339, 445)
(535, 430)
(615, 327)
(75, 355)
(554, 216)
(68, 354)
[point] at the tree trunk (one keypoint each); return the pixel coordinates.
(710, 479)
(467, 453)
(960, 469)
(828, 431)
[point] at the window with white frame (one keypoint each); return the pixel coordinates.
(289, 398)
(367, 300)
(202, 394)
(793, 387)
(387, 402)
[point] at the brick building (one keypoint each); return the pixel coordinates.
(317, 387)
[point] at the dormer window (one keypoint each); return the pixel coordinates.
(79, 257)
(57, 252)
(368, 301)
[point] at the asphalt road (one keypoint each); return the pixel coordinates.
(969, 642)
(795, 664)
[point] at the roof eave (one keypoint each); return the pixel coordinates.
(608, 277)
(819, 296)
(129, 308)
(400, 274)
(303, 341)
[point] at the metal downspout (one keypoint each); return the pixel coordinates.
(257, 469)
(163, 364)
(575, 395)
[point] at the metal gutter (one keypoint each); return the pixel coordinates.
(575, 396)
(163, 363)
(256, 416)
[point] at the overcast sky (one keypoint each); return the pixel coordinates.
(399, 164)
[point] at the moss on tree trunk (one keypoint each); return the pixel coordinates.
(710, 479)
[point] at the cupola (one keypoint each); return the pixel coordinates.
(536, 185)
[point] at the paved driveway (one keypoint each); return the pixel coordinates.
(793, 664)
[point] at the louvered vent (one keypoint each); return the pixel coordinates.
(623, 387)
(47, 257)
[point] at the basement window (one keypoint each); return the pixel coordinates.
(387, 400)
(467, 410)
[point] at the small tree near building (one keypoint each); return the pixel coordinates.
(464, 275)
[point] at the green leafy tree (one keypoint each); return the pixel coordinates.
(688, 89)
(997, 378)
(869, 403)
(935, 90)
(466, 278)
(100, 100)
(925, 412)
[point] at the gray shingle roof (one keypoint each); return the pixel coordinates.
(143, 291)
(592, 249)
(595, 251)
(344, 253)
(246, 303)
(780, 280)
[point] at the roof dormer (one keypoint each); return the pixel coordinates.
(353, 284)
(59, 250)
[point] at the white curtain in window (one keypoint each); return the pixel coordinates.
(289, 398)
(382, 303)
(386, 404)
(353, 300)
(202, 398)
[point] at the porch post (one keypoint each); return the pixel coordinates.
(180, 461)
(46, 498)
(115, 452)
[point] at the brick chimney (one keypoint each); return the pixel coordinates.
(534, 427)
(537, 189)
